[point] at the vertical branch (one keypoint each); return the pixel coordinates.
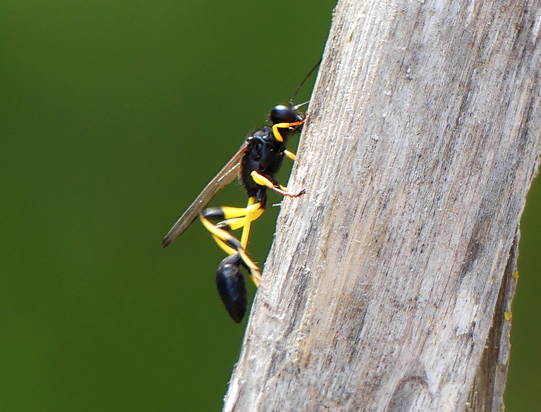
(489, 384)
(385, 279)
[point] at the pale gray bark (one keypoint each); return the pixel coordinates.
(385, 279)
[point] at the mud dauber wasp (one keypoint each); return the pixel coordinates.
(255, 164)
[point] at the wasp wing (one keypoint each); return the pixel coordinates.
(225, 176)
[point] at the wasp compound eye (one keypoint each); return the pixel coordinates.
(284, 114)
(232, 287)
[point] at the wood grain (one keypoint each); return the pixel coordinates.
(384, 280)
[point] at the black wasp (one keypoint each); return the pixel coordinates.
(255, 164)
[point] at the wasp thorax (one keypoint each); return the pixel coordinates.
(284, 114)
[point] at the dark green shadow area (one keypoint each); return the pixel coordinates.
(524, 380)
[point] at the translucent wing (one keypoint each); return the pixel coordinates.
(225, 176)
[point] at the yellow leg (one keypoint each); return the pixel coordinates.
(253, 211)
(231, 245)
(232, 218)
(224, 246)
(235, 218)
(277, 126)
(247, 223)
(291, 155)
(265, 181)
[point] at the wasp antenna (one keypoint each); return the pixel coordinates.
(291, 104)
(296, 107)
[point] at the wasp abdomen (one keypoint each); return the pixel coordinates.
(232, 287)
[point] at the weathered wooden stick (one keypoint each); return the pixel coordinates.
(384, 280)
(489, 384)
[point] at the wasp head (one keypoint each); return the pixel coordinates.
(285, 114)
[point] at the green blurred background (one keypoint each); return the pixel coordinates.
(112, 117)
